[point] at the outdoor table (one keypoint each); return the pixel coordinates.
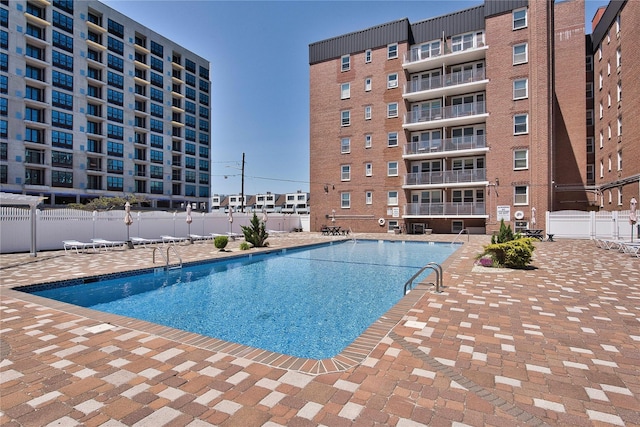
(536, 234)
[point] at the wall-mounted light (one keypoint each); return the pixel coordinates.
(498, 181)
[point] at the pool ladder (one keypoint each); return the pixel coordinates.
(431, 266)
(165, 256)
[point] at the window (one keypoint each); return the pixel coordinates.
(392, 81)
(589, 117)
(367, 56)
(367, 141)
(367, 112)
(115, 114)
(345, 173)
(61, 120)
(601, 109)
(345, 90)
(392, 198)
(115, 149)
(62, 21)
(345, 200)
(367, 84)
(115, 28)
(619, 126)
(590, 173)
(115, 97)
(601, 168)
(608, 68)
(61, 179)
(600, 81)
(608, 99)
(589, 90)
(345, 63)
(392, 169)
(520, 124)
(345, 145)
(589, 63)
(157, 64)
(392, 139)
(115, 63)
(619, 91)
(115, 183)
(520, 195)
(345, 117)
(520, 54)
(618, 58)
(601, 138)
(591, 147)
(62, 41)
(619, 192)
(115, 131)
(619, 160)
(392, 110)
(368, 169)
(115, 45)
(520, 159)
(392, 51)
(62, 100)
(519, 18)
(368, 197)
(115, 80)
(609, 164)
(520, 89)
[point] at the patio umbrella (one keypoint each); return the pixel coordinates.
(633, 216)
(533, 216)
(265, 218)
(189, 219)
(128, 219)
(230, 220)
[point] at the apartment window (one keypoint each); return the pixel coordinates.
(519, 18)
(345, 200)
(115, 149)
(601, 109)
(392, 198)
(61, 179)
(599, 52)
(156, 125)
(618, 58)
(367, 56)
(345, 117)
(392, 139)
(619, 91)
(589, 91)
(368, 169)
(115, 183)
(589, 63)
(609, 163)
(608, 68)
(61, 139)
(115, 45)
(345, 173)
(601, 138)
(609, 131)
(601, 168)
(115, 28)
(619, 126)
(115, 114)
(367, 112)
(600, 81)
(520, 159)
(115, 63)
(345, 90)
(591, 147)
(157, 110)
(367, 84)
(368, 197)
(62, 100)
(156, 141)
(520, 54)
(590, 173)
(345, 145)
(36, 73)
(115, 97)
(34, 135)
(345, 63)
(520, 124)
(392, 51)
(62, 21)
(619, 160)
(392, 169)
(115, 131)
(61, 120)
(62, 41)
(367, 141)
(156, 94)
(619, 193)
(34, 93)
(157, 64)
(589, 117)
(608, 99)
(392, 81)
(521, 195)
(115, 80)
(520, 89)
(392, 110)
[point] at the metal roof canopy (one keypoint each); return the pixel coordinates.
(11, 199)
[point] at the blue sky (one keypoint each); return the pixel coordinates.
(259, 55)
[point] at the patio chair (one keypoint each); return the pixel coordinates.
(144, 242)
(199, 238)
(78, 246)
(106, 244)
(172, 239)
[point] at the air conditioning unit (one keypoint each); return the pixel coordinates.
(519, 215)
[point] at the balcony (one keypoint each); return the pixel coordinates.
(464, 145)
(467, 81)
(441, 179)
(473, 50)
(448, 210)
(95, 25)
(451, 115)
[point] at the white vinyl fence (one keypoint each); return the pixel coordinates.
(591, 225)
(55, 225)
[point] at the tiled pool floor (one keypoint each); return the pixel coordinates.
(556, 345)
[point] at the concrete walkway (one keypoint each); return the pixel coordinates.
(558, 344)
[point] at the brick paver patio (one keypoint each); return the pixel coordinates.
(558, 344)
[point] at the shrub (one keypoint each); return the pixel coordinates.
(504, 235)
(221, 242)
(255, 232)
(244, 246)
(512, 254)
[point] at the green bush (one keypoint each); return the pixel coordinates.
(504, 235)
(512, 254)
(244, 246)
(221, 242)
(255, 233)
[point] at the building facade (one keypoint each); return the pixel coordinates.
(100, 105)
(452, 123)
(615, 68)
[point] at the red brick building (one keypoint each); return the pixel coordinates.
(452, 123)
(616, 67)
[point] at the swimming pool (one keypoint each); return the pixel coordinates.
(308, 303)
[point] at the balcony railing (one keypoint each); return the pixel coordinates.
(448, 112)
(445, 209)
(416, 54)
(447, 80)
(448, 144)
(446, 177)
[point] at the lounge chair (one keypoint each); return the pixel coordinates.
(77, 246)
(275, 233)
(631, 248)
(106, 244)
(144, 242)
(198, 237)
(173, 239)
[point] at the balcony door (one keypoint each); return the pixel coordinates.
(464, 138)
(426, 80)
(427, 141)
(426, 111)
(467, 105)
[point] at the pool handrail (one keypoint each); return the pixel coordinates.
(438, 284)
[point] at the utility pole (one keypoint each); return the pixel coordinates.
(242, 188)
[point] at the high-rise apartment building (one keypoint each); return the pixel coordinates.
(95, 104)
(452, 123)
(615, 67)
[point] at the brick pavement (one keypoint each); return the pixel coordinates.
(558, 344)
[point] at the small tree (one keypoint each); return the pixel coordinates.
(255, 233)
(221, 242)
(504, 235)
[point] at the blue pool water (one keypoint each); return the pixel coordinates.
(308, 303)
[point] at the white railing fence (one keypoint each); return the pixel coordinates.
(55, 225)
(591, 225)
